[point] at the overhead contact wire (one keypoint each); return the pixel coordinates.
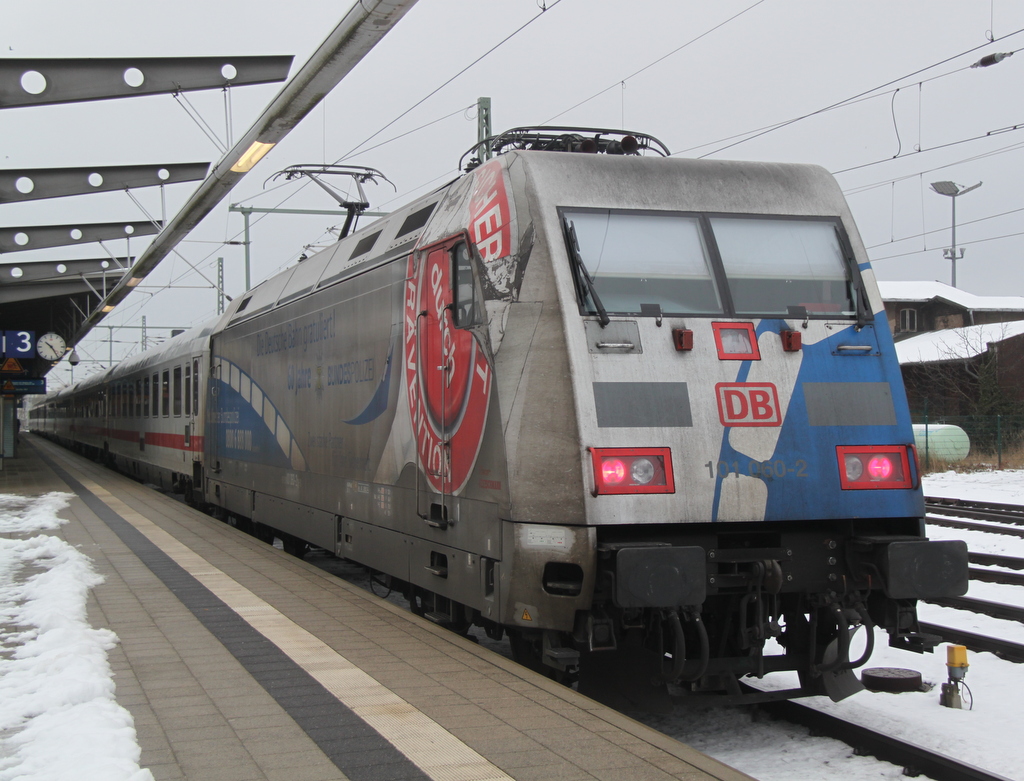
(421, 101)
(863, 94)
(650, 65)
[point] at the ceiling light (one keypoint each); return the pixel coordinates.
(251, 156)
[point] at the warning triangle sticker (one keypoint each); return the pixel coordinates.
(526, 615)
(8, 386)
(12, 365)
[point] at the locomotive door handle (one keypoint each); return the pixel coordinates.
(616, 345)
(860, 348)
(438, 564)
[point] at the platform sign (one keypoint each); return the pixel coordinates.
(23, 386)
(19, 344)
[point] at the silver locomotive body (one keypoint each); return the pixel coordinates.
(621, 407)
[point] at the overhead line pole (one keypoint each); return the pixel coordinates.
(366, 23)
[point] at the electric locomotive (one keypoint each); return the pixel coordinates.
(642, 414)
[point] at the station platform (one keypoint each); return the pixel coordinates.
(238, 661)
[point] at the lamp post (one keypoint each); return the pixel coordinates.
(952, 189)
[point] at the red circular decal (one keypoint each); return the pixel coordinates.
(447, 378)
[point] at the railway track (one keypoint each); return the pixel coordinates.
(1004, 649)
(996, 576)
(913, 759)
(996, 560)
(982, 606)
(996, 518)
(982, 511)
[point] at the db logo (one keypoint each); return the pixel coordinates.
(748, 404)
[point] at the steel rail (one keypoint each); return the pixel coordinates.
(995, 560)
(982, 606)
(1004, 649)
(986, 575)
(990, 528)
(971, 503)
(914, 759)
(981, 511)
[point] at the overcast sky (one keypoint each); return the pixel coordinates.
(775, 61)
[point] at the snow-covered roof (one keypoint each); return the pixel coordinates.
(955, 343)
(926, 291)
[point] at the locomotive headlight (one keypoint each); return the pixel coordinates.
(879, 467)
(876, 466)
(642, 471)
(613, 471)
(854, 468)
(632, 470)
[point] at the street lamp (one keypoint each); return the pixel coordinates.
(952, 189)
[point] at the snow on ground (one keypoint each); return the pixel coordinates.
(1006, 486)
(987, 736)
(58, 716)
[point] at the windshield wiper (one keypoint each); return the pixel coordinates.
(582, 275)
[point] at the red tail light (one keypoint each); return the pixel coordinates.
(632, 470)
(876, 466)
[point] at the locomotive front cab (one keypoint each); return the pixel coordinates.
(745, 442)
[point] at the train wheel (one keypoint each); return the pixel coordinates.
(294, 546)
(415, 597)
(263, 533)
(528, 649)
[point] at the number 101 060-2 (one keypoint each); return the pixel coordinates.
(767, 470)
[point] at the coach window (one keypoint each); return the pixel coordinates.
(177, 391)
(463, 292)
(145, 397)
(138, 398)
(188, 389)
(165, 394)
(195, 385)
(156, 395)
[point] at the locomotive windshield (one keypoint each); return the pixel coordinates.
(632, 263)
(639, 258)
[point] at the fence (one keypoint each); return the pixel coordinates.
(996, 441)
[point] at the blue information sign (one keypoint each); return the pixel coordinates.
(19, 344)
(24, 385)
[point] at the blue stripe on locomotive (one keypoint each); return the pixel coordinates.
(819, 494)
(241, 432)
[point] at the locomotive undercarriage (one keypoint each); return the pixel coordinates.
(745, 602)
